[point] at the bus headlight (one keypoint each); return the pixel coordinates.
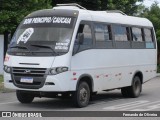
(52, 71)
(7, 69)
(57, 70)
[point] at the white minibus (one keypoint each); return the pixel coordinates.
(69, 51)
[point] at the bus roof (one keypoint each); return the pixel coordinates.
(108, 16)
(119, 18)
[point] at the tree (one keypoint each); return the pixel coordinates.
(153, 14)
(13, 11)
(127, 6)
(89, 4)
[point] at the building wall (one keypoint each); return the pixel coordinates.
(1, 53)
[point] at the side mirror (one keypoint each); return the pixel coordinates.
(80, 38)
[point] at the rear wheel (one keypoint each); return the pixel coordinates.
(82, 95)
(24, 97)
(134, 90)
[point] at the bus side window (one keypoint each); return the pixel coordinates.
(137, 38)
(88, 40)
(137, 34)
(148, 35)
(120, 33)
(121, 37)
(86, 30)
(148, 38)
(103, 36)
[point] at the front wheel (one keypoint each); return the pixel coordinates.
(24, 97)
(82, 95)
(134, 90)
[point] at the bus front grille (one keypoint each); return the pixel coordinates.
(37, 74)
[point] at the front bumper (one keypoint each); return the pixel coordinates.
(62, 83)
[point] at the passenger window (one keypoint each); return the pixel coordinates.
(86, 30)
(148, 35)
(87, 41)
(103, 36)
(102, 32)
(120, 33)
(137, 34)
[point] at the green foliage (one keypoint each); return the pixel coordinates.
(127, 6)
(153, 14)
(13, 11)
(1, 79)
(158, 68)
(1, 85)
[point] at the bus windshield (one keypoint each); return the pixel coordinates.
(42, 36)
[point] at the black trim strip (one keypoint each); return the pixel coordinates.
(29, 63)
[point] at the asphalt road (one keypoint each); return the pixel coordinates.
(149, 100)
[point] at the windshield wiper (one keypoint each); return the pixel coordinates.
(45, 46)
(22, 47)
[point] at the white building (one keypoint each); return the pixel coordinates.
(1, 53)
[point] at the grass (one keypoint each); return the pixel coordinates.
(2, 88)
(1, 78)
(1, 84)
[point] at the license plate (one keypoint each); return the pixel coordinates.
(26, 80)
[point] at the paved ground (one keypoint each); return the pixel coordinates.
(149, 100)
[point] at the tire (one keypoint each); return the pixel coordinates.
(24, 97)
(124, 92)
(134, 90)
(82, 95)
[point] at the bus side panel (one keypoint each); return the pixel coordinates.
(114, 68)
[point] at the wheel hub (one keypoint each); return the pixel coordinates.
(83, 95)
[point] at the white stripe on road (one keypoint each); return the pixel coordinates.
(148, 108)
(8, 102)
(136, 104)
(115, 107)
(145, 104)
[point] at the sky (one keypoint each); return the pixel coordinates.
(148, 3)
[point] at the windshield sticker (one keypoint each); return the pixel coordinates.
(38, 20)
(24, 37)
(62, 45)
(60, 20)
